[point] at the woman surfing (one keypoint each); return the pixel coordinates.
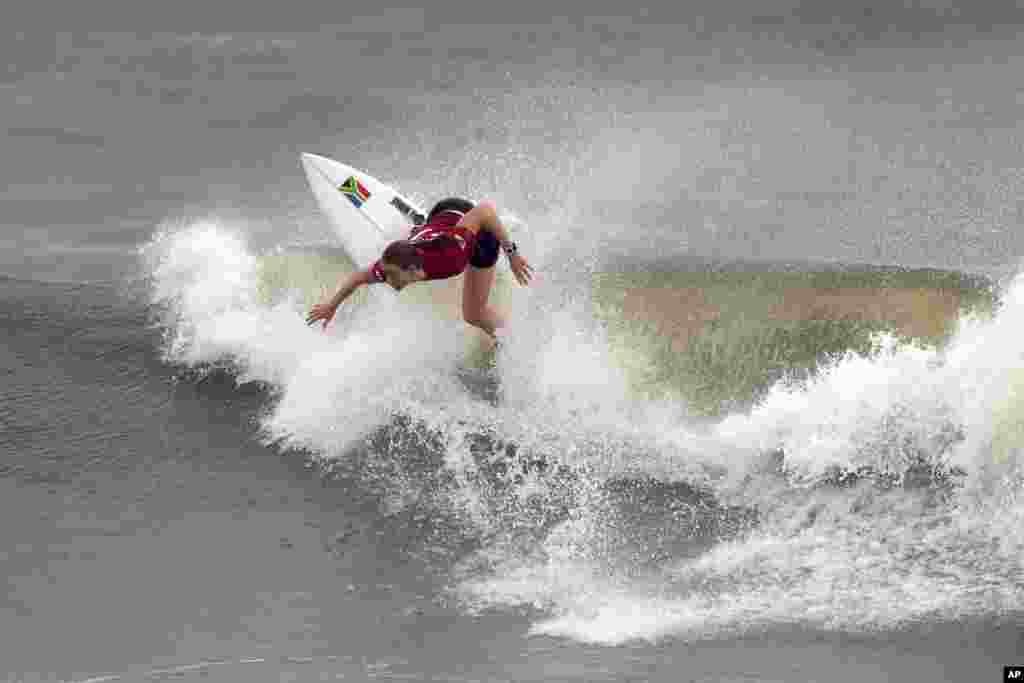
(456, 237)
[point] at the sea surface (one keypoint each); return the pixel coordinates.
(760, 416)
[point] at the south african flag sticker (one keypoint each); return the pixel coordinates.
(355, 191)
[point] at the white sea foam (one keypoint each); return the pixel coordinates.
(861, 557)
(873, 555)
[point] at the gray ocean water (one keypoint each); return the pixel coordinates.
(760, 417)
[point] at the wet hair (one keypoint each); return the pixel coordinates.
(403, 254)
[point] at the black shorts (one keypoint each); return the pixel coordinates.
(485, 253)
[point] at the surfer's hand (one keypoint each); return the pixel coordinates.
(321, 312)
(520, 268)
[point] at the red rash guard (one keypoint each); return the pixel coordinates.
(442, 259)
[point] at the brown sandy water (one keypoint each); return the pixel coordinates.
(164, 543)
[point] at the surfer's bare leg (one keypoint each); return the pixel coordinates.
(476, 288)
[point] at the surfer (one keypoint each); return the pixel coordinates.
(457, 236)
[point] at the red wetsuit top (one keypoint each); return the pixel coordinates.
(442, 258)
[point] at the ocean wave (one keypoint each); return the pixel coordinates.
(844, 472)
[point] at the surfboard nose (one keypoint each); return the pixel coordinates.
(313, 161)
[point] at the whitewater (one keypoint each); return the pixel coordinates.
(758, 417)
(884, 489)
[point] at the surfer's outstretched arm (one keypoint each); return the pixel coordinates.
(325, 311)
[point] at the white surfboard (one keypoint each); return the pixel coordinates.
(366, 213)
